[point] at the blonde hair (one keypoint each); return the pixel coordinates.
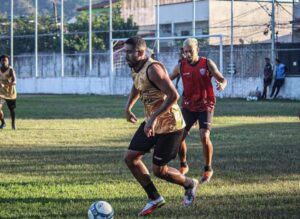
(192, 42)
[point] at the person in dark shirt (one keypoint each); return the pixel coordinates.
(268, 76)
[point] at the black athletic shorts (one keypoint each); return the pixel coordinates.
(267, 82)
(278, 82)
(12, 104)
(165, 146)
(204, 119)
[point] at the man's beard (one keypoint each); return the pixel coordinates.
(131, 64)
(4, 66)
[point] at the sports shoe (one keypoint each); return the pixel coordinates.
(152, 205)
(184, 170)
(13, 126)
(205, 178)
(2, 125)
(190, 194)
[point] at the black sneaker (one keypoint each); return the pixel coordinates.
(13, 126)
(2, 125)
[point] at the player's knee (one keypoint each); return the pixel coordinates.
(185, 133)
(205, 136)
(205, 140)
(131, 160)
(158, 171)
(128, 159)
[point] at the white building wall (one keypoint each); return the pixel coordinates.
(122, 86)
(74, 85)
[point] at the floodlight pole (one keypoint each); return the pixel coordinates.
(90, 37)
(111, 47)
(62, 39)
(194, 18)
(273, 33)
(157, 28)
(231, 48)
(36, 39)
(110, 39)
(221, 54)
(12, 33)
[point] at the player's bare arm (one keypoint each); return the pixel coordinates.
(175, 73)
(213, 69)
(13, 77)
(133, 97)
(158, 75)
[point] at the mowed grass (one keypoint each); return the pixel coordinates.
(68, 152)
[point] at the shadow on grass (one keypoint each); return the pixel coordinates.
(241, 154)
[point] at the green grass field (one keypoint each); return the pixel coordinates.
(68, 152)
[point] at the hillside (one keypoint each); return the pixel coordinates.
(27, 7)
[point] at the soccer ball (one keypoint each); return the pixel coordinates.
(101, 210)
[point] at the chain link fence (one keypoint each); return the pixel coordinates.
(140, 17)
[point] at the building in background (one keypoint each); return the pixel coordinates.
(296, 22)
(251, 20)
(143, 12)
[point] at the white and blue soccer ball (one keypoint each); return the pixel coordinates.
(101, 210)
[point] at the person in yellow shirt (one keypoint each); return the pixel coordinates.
(162, 129)
(8, 91)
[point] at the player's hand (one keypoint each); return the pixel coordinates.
(221, 86)
(149, 127)
(131, 117)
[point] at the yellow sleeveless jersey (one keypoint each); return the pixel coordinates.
(7, 92)
(152, 98)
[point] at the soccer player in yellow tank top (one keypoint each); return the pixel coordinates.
(8, 91)
(162, 129)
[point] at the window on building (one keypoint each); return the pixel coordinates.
(185, 33)
(165, 30)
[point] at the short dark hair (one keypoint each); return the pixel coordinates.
(137, 42)
(4, 56)
(267, 58)
(277, 60)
